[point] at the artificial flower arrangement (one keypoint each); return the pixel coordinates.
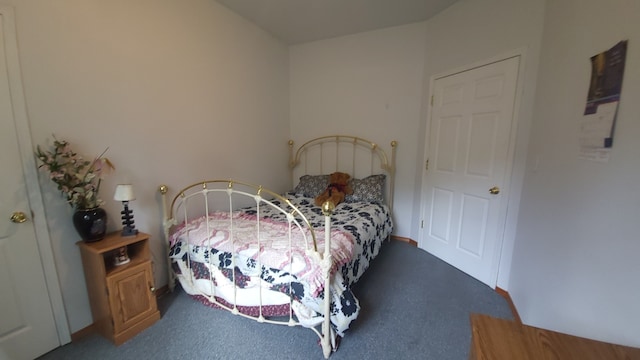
(78, 179)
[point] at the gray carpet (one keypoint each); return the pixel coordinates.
(414, 306)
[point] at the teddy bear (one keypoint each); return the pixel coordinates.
(336, 190)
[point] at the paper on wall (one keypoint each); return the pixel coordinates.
(596, 129)
(598, 122)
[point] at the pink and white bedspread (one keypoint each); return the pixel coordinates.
(266, 273)
(273, 250)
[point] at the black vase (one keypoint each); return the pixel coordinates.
(91, 224)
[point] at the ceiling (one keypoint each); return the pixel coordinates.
(300, 21)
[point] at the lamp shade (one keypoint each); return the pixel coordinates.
(124, 192)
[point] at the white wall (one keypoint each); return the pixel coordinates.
(474, 31)
(177, 92)
(368, 84)
(575, 263)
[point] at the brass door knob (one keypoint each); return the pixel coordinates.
(18, 217)
(494, 190)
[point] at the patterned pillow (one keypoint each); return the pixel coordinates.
(312, 185)
(369, 189)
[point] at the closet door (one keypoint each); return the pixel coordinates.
(468, 167)
(28, 326)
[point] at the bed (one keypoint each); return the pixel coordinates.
(279, 258)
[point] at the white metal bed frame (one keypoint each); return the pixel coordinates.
(296, 219)
(326, 152)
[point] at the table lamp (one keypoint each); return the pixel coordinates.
(124, 193)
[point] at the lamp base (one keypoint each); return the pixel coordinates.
(129, 231)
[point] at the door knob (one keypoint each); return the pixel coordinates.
(494, 190)
(18, 217)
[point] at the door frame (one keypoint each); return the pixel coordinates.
(30, 173)
(507, 210)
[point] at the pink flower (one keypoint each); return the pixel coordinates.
(77, 179)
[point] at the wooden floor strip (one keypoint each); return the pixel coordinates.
(507, 297)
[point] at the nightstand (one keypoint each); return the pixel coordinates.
(123, 301)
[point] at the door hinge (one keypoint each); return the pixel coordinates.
(421, 224)
(426, 165)
(431, 100)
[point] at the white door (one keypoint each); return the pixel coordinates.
(28, 327)
(468, 152)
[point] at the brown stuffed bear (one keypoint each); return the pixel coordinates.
(336, 190)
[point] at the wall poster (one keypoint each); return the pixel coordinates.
(598, 122)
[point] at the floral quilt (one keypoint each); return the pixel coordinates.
(358, 230)
(369, 223)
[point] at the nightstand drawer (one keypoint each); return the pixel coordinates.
(131, 295)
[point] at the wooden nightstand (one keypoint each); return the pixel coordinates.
(123, 301)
